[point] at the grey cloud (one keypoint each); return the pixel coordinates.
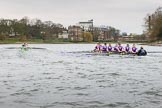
(126, 15)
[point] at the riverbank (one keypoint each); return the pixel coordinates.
(32, 41)
(157, 43)
(40, 41)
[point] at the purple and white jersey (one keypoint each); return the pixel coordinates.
(120, 48)
(98, 47)
(104, 48)
(109, 48)
(127, 48)
(115, 48)
(134, 49)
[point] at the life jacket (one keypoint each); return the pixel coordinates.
(142, 52)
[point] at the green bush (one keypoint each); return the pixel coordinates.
(2, 37)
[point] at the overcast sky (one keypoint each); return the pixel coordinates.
(126, 15)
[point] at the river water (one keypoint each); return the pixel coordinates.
(62, 76)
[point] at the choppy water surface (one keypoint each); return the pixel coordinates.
(55, 77)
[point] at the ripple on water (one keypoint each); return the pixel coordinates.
(81, 94)
(44, 79)
(114, 74)
(153, 93)
(1, 97)
(93, 104)
(80, 88)
(21, 93)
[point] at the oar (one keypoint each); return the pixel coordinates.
(154, 52)
(108, 53)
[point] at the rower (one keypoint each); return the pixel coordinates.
(116, 48)
(134, 49)
(104, 48)
(120, 48)
(127, 48)
(24, 46)
(98, 47)
(110, 48)
(141, 52)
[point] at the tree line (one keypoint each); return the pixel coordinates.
(26, 28)
(153, 24)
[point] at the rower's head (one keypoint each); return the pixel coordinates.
(105, 43)
(141, 47)
(127, 45)
(109, 44)
(134, 45)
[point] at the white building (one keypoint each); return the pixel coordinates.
(86, 26)
(64, 35)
